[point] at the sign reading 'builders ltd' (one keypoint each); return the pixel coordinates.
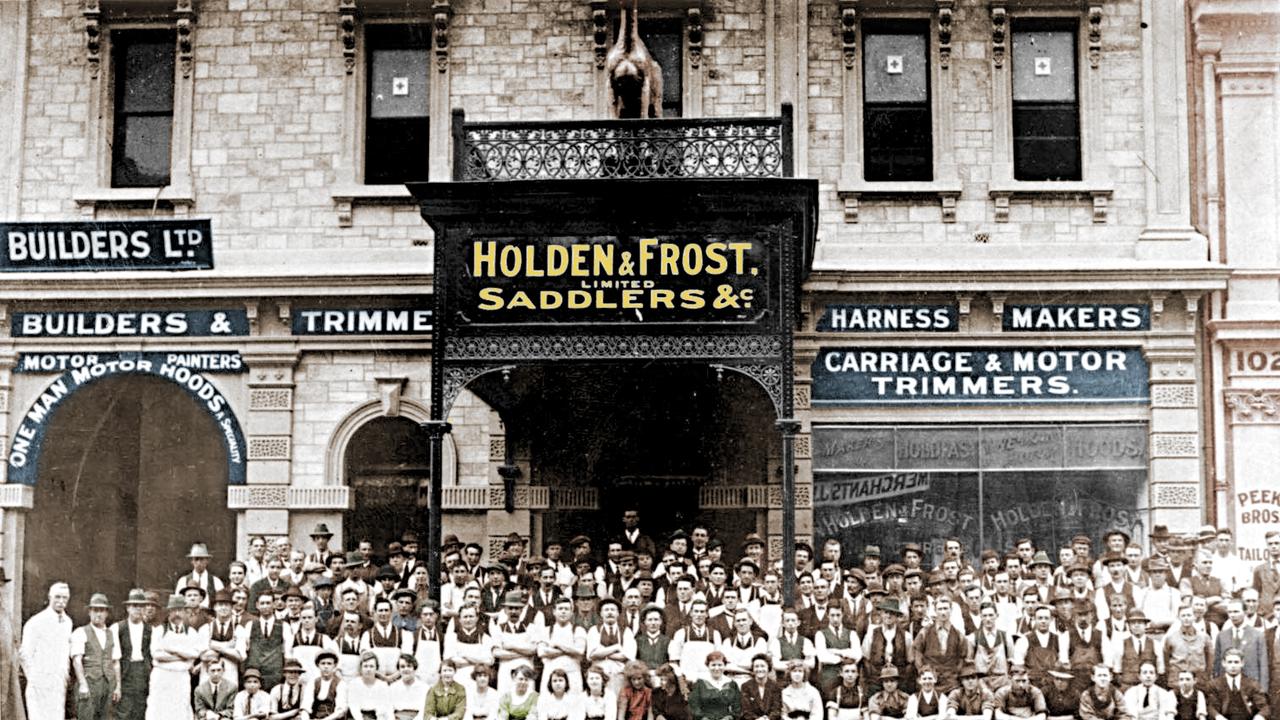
(662, 280)
(106, 245)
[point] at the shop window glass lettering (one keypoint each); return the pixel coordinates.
(896, 114)
(397, 117)
(1046, 108)
(143, 62)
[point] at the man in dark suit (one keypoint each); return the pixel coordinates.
(1233, 695)
(1271, 643)
(1248, 640)
(214, 696)
(1266, 575)
(633, 538)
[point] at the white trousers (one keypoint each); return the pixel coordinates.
(46, 701)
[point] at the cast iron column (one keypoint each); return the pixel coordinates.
(789, 427)
(436, 430)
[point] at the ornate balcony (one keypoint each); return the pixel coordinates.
(606, 149)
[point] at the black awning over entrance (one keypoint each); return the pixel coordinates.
(547, 272)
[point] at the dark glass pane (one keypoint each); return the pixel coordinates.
(665, 40)
(1046, 141)
(396, 150)
(142, 151)
(1052, 507)
(897, 142)
(144, 72)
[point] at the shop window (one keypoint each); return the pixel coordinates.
(1046, 107)
(397, 104)
(897, 121)
(144, 68)
(664, 37)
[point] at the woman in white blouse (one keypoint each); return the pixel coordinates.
(483, 703)
(408, 695)
(367, 695)
(558, 702)
(800, 700)
(598, 703)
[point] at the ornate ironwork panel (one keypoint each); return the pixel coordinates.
(611, 347)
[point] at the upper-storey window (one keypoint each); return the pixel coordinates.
(143, 63)
(665, 39)
(1046, 106)
(897, 124)
(397, 108)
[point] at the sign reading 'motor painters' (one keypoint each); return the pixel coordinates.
(607, 280)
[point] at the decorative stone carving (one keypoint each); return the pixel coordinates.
(1254, 406)
(1173, 395)
(93, 37)
(269, 447)
(186, 16)
(964, 307)
(1173, 445)
(693, 25)
(390, 390)
(945, 8)
(600, 30)
(271, 399)
(1182, 495)
(497, 448)
(1095, 37)
(849, 47)
(804, 447)
(948, 200)
(257, 497)
(804, 495)
(441, 13)
(347, 13)
(999, 24)
(1101, 201)
(1001, 200)
(802, 397)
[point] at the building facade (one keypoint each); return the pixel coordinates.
(1001, 334)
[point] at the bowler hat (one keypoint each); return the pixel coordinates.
(326, 654)
(199, 550)
(138, 596)
(890, 672)
(1160, 532)
(254, 673)
(321, 530)
(99, 601)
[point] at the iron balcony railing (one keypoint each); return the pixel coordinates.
(667, 148)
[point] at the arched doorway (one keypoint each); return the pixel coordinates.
(388, 468)
(132, 471)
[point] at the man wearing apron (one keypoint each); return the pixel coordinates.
(174, 647)
(563, 647)
(225, 637)
(513, 642)
(266, 643)
(427, 643)
(692, 643)
(326, 696)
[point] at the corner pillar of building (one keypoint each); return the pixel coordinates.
(1177, 448)
(264, 502)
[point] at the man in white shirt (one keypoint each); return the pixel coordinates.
(252, 703)
(199, 575)
(96, 660)
(326, 697)
(255, 567)
(1146, 700)
(43, 655)
(133, 637)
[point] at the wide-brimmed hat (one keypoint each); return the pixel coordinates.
(176, 603)
(353, 559)
(138, 596)
(199, 550)
(1062, 671)
(321, 530)
(890, 605)
(513, 599)
(99, 601)
(968, 670)
(1160, 532)
(1040, 558)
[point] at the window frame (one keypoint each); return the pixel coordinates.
(904, 28)
(368, 47)
(350, 189)
(1046, 25)
(118, 83)
(1094, 183)
(94, 188)
(945, 187)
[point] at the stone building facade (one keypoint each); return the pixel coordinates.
(272, 134)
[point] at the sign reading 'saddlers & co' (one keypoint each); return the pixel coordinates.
(107, 245)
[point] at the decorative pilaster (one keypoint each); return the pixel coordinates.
(600, 30)
(347, 13)
(93, 37)
(185, 17)
(999, 26)
(945, 11)
(441, 14)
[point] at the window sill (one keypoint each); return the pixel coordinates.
(945, 191)
(90, 199)
(347, 196)
(1099, 193)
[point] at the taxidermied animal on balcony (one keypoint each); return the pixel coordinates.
(635, 78)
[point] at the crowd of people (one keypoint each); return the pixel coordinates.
(685, 629)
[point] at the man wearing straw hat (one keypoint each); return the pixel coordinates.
(199, 575)
(95, 657)
(174, 648)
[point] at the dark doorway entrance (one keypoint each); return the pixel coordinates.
(132, 473)
(388, 468)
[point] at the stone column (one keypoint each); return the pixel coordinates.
(1177, 452)
(14, 33)
(264, 501)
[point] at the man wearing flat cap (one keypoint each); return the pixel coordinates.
(199, 575)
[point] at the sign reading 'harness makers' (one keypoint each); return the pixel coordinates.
(669, 279)
(107, 245)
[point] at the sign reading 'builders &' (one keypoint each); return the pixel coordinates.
(107, 245)
(670, 279)
(974, 375)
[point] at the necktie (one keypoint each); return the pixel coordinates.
(1146, 698)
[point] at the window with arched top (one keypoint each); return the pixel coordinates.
(387, 465)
